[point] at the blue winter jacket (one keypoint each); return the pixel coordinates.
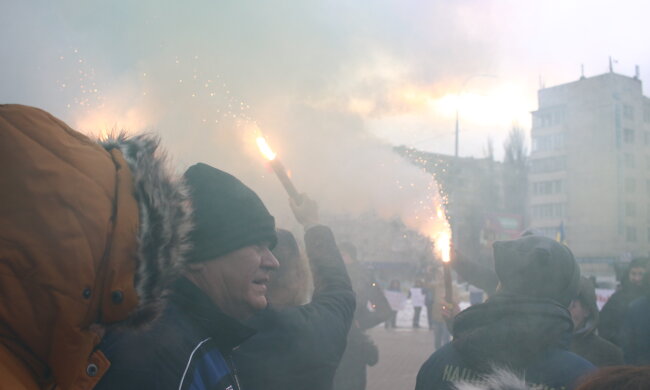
(188, 347)
(527, 335)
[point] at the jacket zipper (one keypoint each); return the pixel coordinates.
(234, 372)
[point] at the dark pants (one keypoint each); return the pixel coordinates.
(392, 320)
(440, 333)
(430, 315)
(416, 316)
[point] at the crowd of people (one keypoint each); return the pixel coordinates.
(116, 273)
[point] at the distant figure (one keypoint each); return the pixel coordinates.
(396, 299)
(613, 313)
(361, 351)
(300, 345)
(524, 326)
(635, 331)
(418, 297)
(438, 323)
(618, 378)
(585, 342)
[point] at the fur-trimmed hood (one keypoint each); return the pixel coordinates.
(90, 236)
(165, 216)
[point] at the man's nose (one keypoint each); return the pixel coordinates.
(269, 261)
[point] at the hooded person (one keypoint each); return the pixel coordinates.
(525, 326)
(635, 331)
(224, 284)
(585, 342)
(613, 313)
(300, 345)
(91, 234)
(360, 351)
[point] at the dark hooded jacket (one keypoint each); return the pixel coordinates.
(528, 335)
(300, 347)
(636, 332)
(361, 351)
(189, 347)
(586, 342)
(613, 313)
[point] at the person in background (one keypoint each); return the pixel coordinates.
(372, 309)
(635, 331)
(525, 325)
(613, 313)
(418, 297)
(92, 233)
(439, 308)
(225, 283)
(396, 299)
(585, 341)
(300, 345)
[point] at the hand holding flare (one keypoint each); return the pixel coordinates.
(278, 168)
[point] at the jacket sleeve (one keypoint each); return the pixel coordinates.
(477, 275)
(611, 319)
(332, 287)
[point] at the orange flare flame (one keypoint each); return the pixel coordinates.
(266, 150)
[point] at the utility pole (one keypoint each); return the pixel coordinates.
(457, 131)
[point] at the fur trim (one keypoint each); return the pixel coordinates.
(165, 218)
(498, 379)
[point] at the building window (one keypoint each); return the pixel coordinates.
(628, 136)
(549, 164)
(629, 161)
(549, 210)
(628, 112)
(630, 209)
(548, 142)
(548, 117)
(547, 187)
(630, 185)
(630, 234)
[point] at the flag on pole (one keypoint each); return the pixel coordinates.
(560, 236)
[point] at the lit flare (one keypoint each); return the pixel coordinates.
(265, 149)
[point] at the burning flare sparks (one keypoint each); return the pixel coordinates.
(443, 245)
(442, 237)
(266, 150)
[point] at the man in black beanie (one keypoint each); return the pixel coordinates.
(525, 326)
(230, 262)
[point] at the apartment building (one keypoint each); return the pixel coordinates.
(589, 177)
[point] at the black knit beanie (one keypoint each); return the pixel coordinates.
(227, 214)
(537, 266)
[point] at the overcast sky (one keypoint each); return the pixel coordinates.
(323, 79)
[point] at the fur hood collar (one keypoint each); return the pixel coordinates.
(165, 217)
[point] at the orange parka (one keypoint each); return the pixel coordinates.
(90, 235)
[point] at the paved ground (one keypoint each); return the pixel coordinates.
(401, 353)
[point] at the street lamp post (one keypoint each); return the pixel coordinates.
(462, 90)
